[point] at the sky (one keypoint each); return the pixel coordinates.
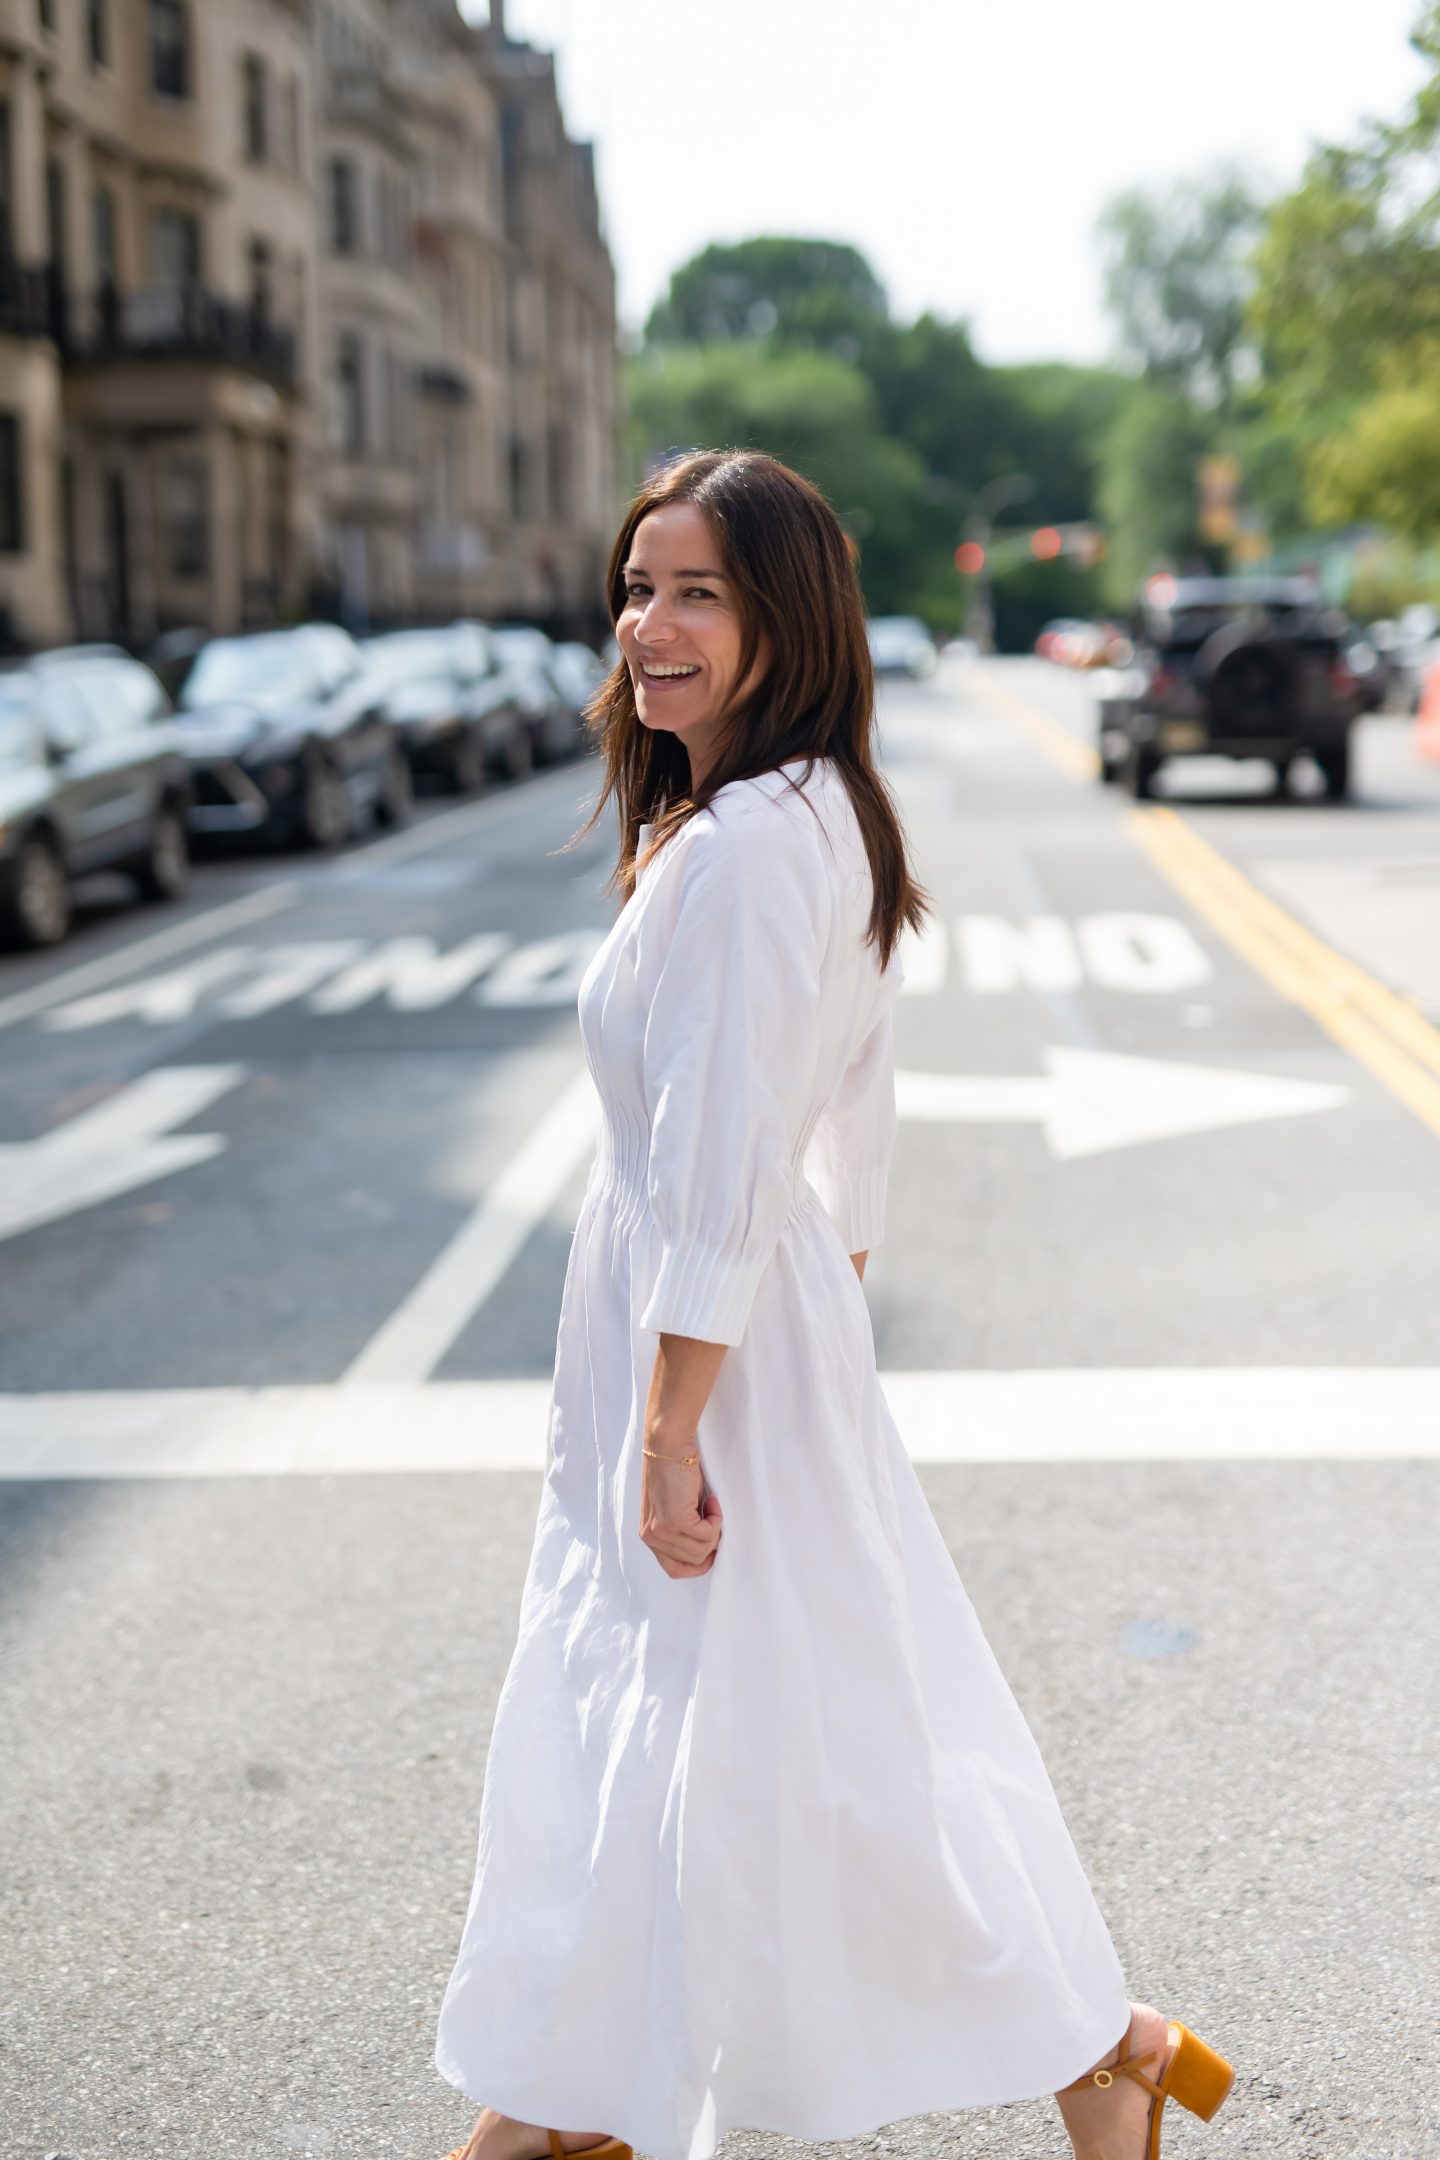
(967, 147)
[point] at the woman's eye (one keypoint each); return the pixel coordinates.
(699, 592)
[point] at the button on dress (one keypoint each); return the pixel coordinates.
(773, 1846)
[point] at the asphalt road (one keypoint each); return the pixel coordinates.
(287, 1180)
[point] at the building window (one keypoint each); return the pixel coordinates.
(186, 516)
(262, 279)
(12, 489)
(350, 394)
(344, 236)
(174, 250)
(7, 185)
(57, 215)
(102, 234)
(256, 113)
(47, 14)
(97, 33)
(294, 145)
(170, 48)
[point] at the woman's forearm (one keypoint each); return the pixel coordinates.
(685, 1371)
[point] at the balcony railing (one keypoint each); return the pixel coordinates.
(24, 299)
(165, 322)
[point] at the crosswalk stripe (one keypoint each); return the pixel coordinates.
(1297, 1414)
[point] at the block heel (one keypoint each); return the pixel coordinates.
(1197, 2077)
(1194, 2076)
(607, 2149)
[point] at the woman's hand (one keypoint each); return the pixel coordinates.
(680, 1518)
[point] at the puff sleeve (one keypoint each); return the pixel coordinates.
(848, 1161)
(731, 1049)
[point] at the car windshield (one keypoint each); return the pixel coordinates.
(412, 656)
(1191, 626)
(267, 670)
(19, 741)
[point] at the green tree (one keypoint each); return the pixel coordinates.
(1177, 280)
(812, 292)
(1147, 487)
(814, 411)
(1346, 309)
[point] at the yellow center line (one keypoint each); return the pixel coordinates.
(1059, 745)
(1385, 1031)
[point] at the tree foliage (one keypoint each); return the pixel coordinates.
(814, 292)
(1177, 281)
(1346, 308)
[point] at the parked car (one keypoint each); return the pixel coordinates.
(1405, 648)
(454, 705)
(1231, 667)
(91, 778)
(579, 672)
(527, 656)
(901, 645)
(287, 737)
(1054, 640)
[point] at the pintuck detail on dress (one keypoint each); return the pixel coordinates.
(772, 1847)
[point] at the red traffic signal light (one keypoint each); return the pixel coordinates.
(1046, 544)
(969, 558)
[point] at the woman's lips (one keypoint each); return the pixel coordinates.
(660, 683)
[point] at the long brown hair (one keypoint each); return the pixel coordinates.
(785, 552)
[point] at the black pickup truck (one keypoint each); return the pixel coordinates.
(1231, 667)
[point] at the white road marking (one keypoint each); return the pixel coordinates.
(411, 974)
(1092, 1101)
(122, 1142)
(418, 1333)
(195, 930)
(925, 957)
(160, 1000)
(547, 972)
(1150, 955)
(1292, 1414)
(251, 907)
(285, 972)
(997, 955)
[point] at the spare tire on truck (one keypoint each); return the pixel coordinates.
(1251, 680)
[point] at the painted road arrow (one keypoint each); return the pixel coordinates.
(1092, 1101)
(123, 1142)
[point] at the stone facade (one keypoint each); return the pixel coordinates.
(304, 306)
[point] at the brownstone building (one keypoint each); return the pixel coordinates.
(303, 303)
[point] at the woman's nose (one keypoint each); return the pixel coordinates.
(654, 620)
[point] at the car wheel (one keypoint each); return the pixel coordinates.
(37, 903)
(519, 752)
(164, 874)
(1335, 771)
(467, 767)
(325, 806)
(396, 799)
(1141, 766)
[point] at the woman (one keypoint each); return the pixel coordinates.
(764, 1838)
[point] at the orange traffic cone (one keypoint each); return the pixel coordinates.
(1427, 719)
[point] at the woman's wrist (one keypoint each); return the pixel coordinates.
(667, 1439)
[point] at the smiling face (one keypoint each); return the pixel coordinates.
(681, 631)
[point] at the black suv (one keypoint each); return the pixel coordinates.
(1232, 667)
(91, 778)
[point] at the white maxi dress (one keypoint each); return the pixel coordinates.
(772, 1846)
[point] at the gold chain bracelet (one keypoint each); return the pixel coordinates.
(656, 1456)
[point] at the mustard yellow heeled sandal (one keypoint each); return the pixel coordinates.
(1195, 2076)
(607, 2149)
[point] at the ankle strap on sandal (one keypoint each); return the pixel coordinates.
(1127, 2066)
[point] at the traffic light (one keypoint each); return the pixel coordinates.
(969, 558)
(1046, 544)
